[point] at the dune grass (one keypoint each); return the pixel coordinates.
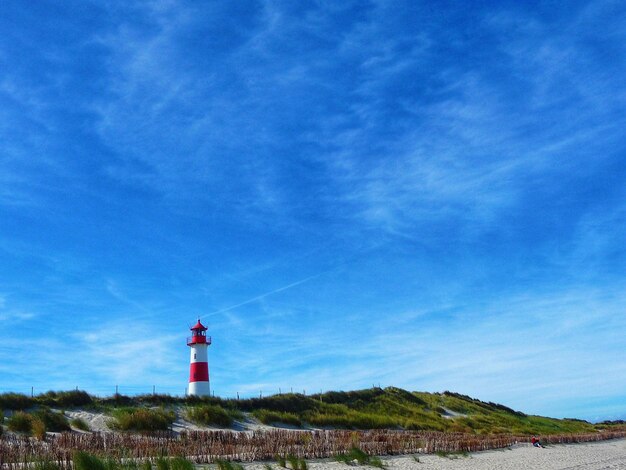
(209, 415)
(20, 422)
(374, 408)
(45, 465)
(141, 419)
(38, 423)
(85, 461)
(228, 465)
(277, 417)
(361, 458)
(80, 423)
(52, 420)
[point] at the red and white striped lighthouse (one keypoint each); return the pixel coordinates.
(199, 362)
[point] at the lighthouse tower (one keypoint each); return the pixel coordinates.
(199, 364)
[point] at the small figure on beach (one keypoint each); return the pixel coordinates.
(535, 441)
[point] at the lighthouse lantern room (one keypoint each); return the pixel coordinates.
(199, 363)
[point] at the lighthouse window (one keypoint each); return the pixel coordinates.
(194, 355)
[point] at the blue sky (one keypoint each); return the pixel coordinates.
(426, 195)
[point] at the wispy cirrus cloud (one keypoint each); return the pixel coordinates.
(454, 173)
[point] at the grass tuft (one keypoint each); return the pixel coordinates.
(162, 464)
(209, 415)
(354, 454)
(80, 423)
(228, 465)
(141, 419)
(39, 429)
(20, 422)
(180, 463)
(46, 465)
(52, 421)
(293, 461)
(272, 417)
(85, 461)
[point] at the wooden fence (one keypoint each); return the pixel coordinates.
(207, 446)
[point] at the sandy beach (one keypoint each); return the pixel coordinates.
(593, 456)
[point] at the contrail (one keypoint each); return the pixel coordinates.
(259, 297)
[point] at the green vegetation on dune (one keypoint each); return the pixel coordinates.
(209, 415)
(80, 423)
(38, 422)
(141, 419)
(374, 408)
(277, 417)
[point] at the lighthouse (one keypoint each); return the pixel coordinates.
(199, 363)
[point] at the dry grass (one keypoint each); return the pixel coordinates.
(211, 446)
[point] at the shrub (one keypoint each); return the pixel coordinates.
(52, 421)
(209, 414)
(80, 423)
(141, 419)
(117, 400)
(15, 401)
(20, 422)
(73, 398)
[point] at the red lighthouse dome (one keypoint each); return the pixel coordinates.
(198, 335)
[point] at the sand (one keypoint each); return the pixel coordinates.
(593, 456)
